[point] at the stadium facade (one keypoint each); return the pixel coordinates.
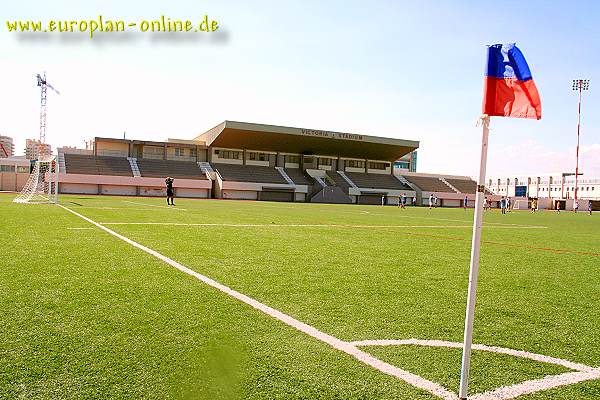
(239, 160)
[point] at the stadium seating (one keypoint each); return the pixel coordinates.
(463, 185)
(297, 176)
(100, 165)
(428, 184)
(174, 169)
(339, 181)
(249, 173)
(376, 181)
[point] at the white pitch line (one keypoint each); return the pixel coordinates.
(338, 344)
(80, 229)
(583, 372)
(480, 347)
(154, 205)
(314, 225)
(537, 385)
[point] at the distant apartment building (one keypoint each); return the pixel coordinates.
(554, 187)
(7, 148)
(34, 147)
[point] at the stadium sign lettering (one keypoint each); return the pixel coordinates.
(333, 135)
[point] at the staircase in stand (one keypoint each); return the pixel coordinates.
(134, 167)
(449, 185)
(207, 169)
(61, 162)
(352, 184)
(285, 176)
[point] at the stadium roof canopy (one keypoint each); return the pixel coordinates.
(244, 135)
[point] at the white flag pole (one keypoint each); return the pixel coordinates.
(475, 245)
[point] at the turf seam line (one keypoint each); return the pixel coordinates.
(154, 205)
(332, 341)
(225, 225)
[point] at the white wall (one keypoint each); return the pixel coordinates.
(239, 194)
(186, 192)
(118, 190)
(77, 188)
(152, 191)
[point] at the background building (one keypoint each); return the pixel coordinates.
(555, 186)
(7, 148)
(550, 190)
(14, 172)
(33, 148)
(406, 163)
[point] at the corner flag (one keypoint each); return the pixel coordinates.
(509, 90)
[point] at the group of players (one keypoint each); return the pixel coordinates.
(575, 207)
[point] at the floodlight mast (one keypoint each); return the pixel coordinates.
(579, 85)
(44, 85)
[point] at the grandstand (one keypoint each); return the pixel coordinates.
(249, 173)
(97, 165)
(174, 169)
(238, 160)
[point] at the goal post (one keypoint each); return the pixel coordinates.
(42, 185)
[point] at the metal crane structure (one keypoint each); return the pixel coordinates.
(44, 85)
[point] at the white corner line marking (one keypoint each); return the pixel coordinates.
(480, 347)
(582, 372)
(538, 385)
(338, 344)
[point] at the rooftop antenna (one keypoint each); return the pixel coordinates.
(44, 85)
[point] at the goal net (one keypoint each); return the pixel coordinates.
(42, 185)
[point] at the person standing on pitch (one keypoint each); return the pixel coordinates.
(503, 205)
(590, 207)
(430, 201)
(170, 192)
(403, 200)
(414, 201)
(576, 206)
(466, 203)
(558, 207)
(508, 204)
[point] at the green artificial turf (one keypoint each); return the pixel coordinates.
(86, 315)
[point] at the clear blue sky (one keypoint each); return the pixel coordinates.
(410, 70)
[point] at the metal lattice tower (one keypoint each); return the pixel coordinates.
(44, 85)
